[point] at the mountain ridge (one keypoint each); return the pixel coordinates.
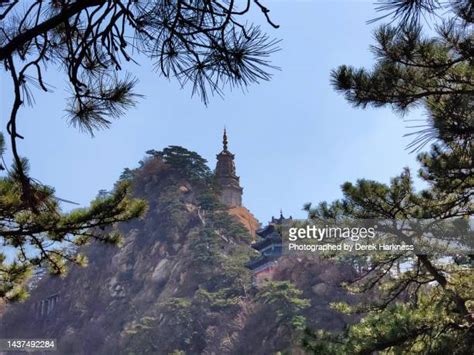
(178, 283)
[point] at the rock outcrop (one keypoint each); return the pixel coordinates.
(178, 283)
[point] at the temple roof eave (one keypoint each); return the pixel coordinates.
(266, 242)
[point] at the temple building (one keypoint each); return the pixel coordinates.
(231, 193)
(270, 248)
(46, 306)
(281, 220)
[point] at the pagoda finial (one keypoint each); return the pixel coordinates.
(224, 140)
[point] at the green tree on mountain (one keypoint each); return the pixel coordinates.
(206, 44)
(286, 300)
(429, 307)
(187, 163)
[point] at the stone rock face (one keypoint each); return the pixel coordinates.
(160, 292)
(246, 218)
(160, 272)
(116, 290)
(320, 289)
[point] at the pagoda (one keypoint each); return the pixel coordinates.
(270, 248)
(231, 191)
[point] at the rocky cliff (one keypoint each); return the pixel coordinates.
(178, 283)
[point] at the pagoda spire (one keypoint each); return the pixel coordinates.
(224, 140)
(231, 192)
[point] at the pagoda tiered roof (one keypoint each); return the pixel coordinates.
(269, 235)
(265, 231)
(264, 243)
(269, 246)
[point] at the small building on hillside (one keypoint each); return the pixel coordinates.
(270, 248)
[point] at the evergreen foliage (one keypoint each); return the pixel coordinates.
(427, 307)
(189, 164)
(286, 302)
(204, 44)
(40, 237)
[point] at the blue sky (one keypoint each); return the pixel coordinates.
(295, 139)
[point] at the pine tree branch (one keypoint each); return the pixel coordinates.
(23, 38)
